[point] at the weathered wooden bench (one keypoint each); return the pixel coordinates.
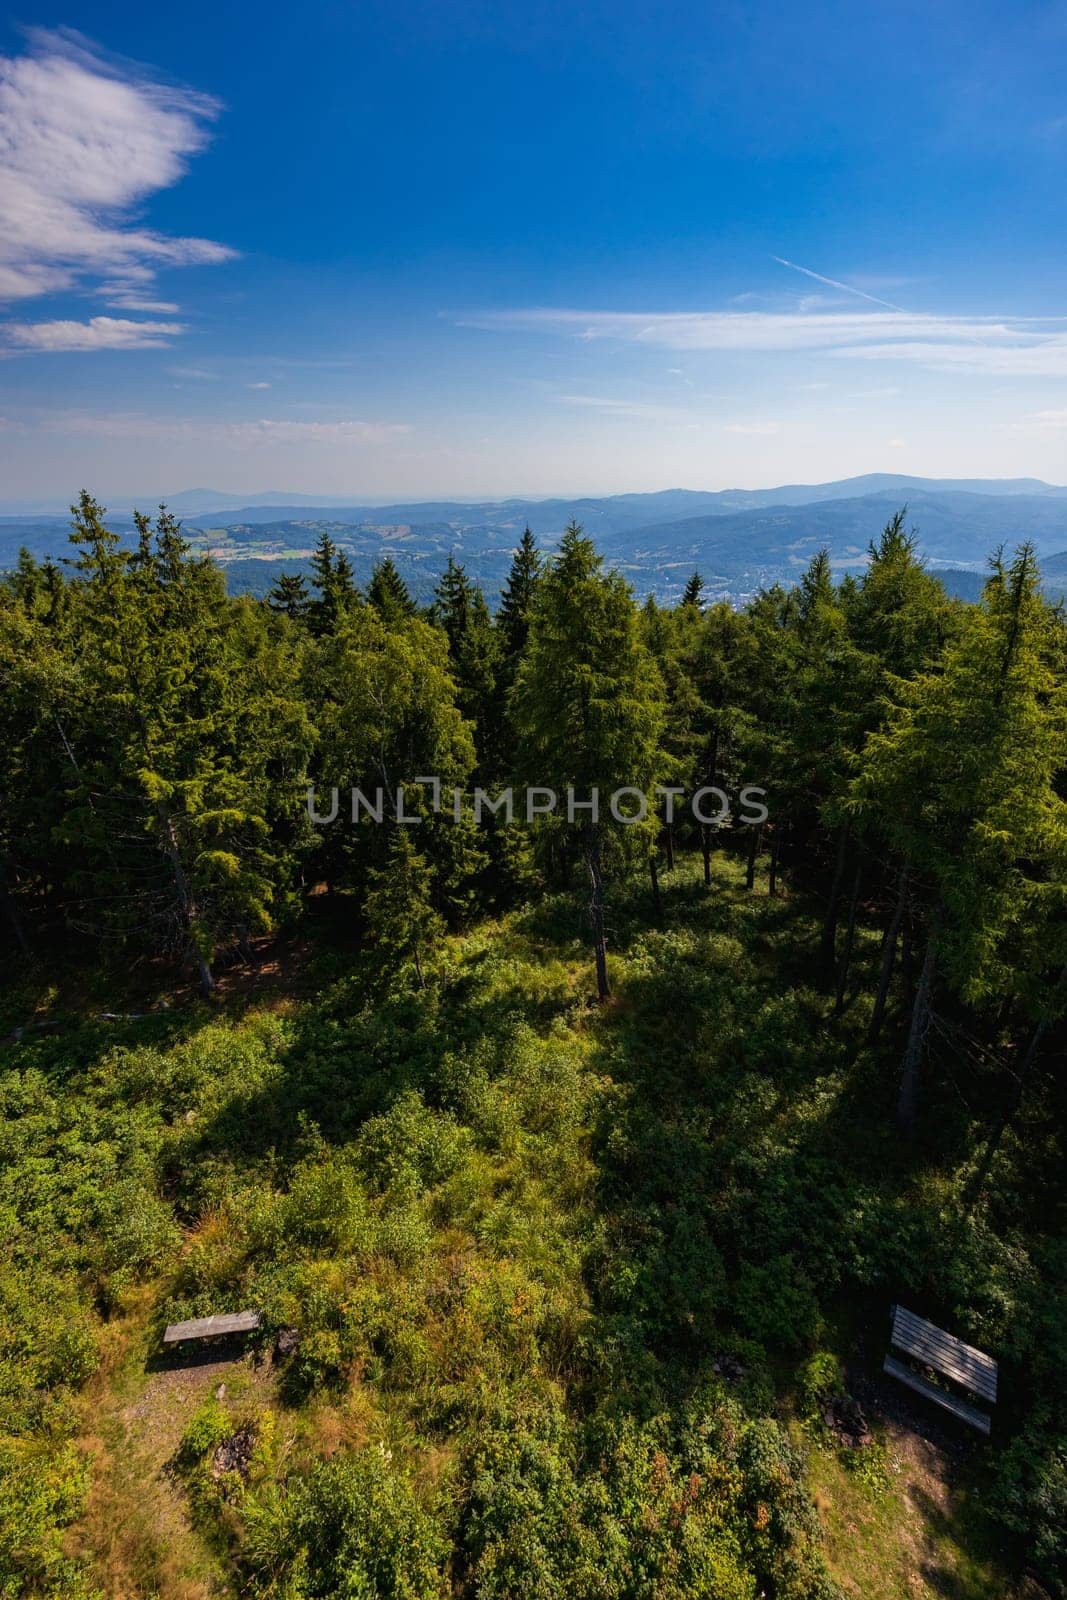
(213, 1327)
(950, 1358)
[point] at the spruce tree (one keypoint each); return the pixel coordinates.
(517, 600)
(290, 596)
(694, 589)
(398, 908)
(963, 783)
(388, 592)
(588, 706)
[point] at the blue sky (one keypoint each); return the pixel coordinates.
(418, 249)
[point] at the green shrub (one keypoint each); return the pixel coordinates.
(207, 1428)
(776, 1303)
(869, 1466)
(820, 1377)
(352, 1526)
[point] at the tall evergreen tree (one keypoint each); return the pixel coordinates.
(290, 596)
(588, 705)
(693, 592)
(962, 782)
(388, 592)
(517, 601)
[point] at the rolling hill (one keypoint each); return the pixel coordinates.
(739, 539)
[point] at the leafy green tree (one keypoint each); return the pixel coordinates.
(387, 718)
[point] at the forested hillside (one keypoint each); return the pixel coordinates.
(574, 1162)
(740, 539)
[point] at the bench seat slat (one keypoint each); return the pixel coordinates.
(949, 1402)
(212, 1327)
(946, 1354)
(909, 1319)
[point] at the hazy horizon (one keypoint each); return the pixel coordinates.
(312, 499)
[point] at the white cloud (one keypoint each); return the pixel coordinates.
(138, 302)
(1009, 346)
(99, 333)
(82, 142)
(263, 430)
(284, 432)
(639, 410)
(258, 386)
(757, 428)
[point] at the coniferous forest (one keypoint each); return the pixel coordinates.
(575, 1163)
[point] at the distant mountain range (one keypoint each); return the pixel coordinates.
(739, 539)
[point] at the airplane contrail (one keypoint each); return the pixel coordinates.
(834, 284)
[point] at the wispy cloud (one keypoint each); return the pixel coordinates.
(84, 140)
(254, 431)
(757, 428)
(99, 333)
(639, 410)
(139, 302)
(835, 283)
(1003, 346)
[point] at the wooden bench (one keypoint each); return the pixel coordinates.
(950, 1358)
(213, 1327)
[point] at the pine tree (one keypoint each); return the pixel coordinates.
(332, 578)
(459, 609)
(388, 592)
(175, 740)
(962, 782)
(290, 596)
(588, 704)
(694, 589)
(517, 600)
(322, 561)
(398, 908)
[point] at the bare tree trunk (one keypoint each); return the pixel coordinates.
(907, 962)
(911, 1068)
(850, 940)
(705, 850)
(754, 842)
(668, 838)
(12, 911)
(776, 845)
(1033, 1049)
(828, 942)
(596, 908)
(889, 950)
(186, 907)
(657, 903)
